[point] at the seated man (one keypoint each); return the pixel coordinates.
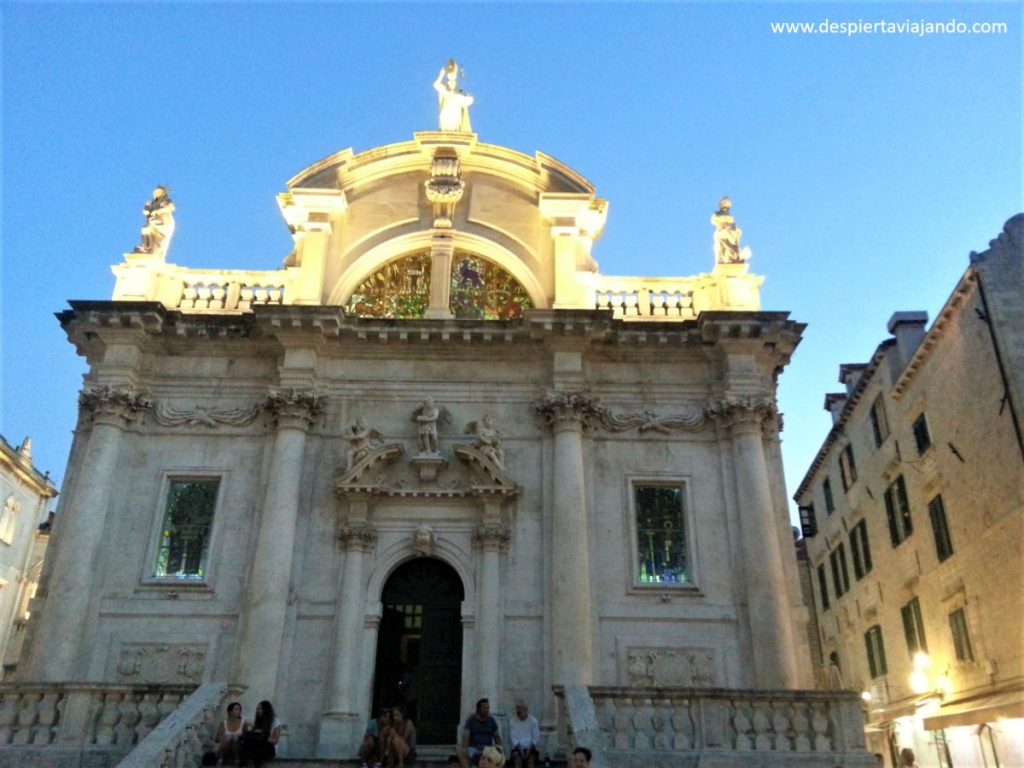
(524, 733)
(480, 730)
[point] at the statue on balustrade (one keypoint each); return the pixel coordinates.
(453, 103)
(727, 236)
(159, 227)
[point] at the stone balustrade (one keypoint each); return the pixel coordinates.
(647, 726)
(63, 720)
(182, 737)
(645, 299)
(239, 290)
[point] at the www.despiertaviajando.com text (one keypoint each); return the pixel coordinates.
(918, 28)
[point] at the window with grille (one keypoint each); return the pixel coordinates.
(897, 510)
(662, 555)
(185, 534)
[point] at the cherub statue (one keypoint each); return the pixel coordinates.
(488, 439)
(727, 235)
(159, 227)
(426, 417)
(362, 442)
(453, 103)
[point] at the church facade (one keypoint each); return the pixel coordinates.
(437, 456)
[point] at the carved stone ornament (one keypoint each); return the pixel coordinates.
(444, 188)
(362, 537)
(205, 416)
(423, 540)
(427, 416)
(123, 403)
(561, 406)
(671, 667)
(492, 535)
(295, 404)
(161, 663)
(742, 410)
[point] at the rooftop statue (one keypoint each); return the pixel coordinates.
(452, 101)
(156, 234)
(727, 236)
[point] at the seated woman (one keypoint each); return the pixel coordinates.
(399, 744)
(259, 744)
(376, 729)
(229, 735)
(492, 757)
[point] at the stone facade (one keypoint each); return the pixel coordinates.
(261, 456)
(25, 493)
(914, 517)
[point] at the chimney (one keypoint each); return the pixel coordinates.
(908, 328)
(834, 402)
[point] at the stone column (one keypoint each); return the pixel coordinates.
(767, 596)
(568, 414)
(65, 612)
(492, 539)
(265, 600)
(341, 725)
(442, 247)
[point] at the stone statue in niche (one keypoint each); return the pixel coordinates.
(159, 227)
(426, 418)
(727, 236)
(423, 540)
(453, 103)
(362, 442)
(488, 439)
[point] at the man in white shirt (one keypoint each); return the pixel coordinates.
(524, 733)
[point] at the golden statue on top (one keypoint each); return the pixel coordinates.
(453, 103)
(727, 236)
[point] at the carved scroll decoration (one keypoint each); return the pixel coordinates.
(205, 416)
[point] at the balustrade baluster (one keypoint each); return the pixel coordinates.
(9, 711)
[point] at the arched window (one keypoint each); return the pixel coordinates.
(480, 290)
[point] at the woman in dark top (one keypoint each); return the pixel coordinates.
(259, 745)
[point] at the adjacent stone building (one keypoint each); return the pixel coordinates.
(439, 456)
(24, 531)
(914, 516)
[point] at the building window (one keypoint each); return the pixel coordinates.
(847, 467)
(826, 489)
(823, 587)
(185, 534)
(876, 651)
(897, 509)
(961, 639)
(860, 549)
(808, 521)
(922, 437)
(913, 627)
(661, 535)
(840, 577)
(879, 423)
(937, 513)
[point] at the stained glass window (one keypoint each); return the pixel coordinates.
(482, 290)
(185, 536)
(661, 535)
(401, 290)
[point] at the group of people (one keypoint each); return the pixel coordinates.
(390, 739)
(240, 743)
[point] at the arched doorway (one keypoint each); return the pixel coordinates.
(419, 647)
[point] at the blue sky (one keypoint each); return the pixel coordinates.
(862, 169)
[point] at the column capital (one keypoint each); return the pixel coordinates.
(357, 538)
(742, 414)
(493, 537)
(294, 408)
(568, 410)
(117, 406)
